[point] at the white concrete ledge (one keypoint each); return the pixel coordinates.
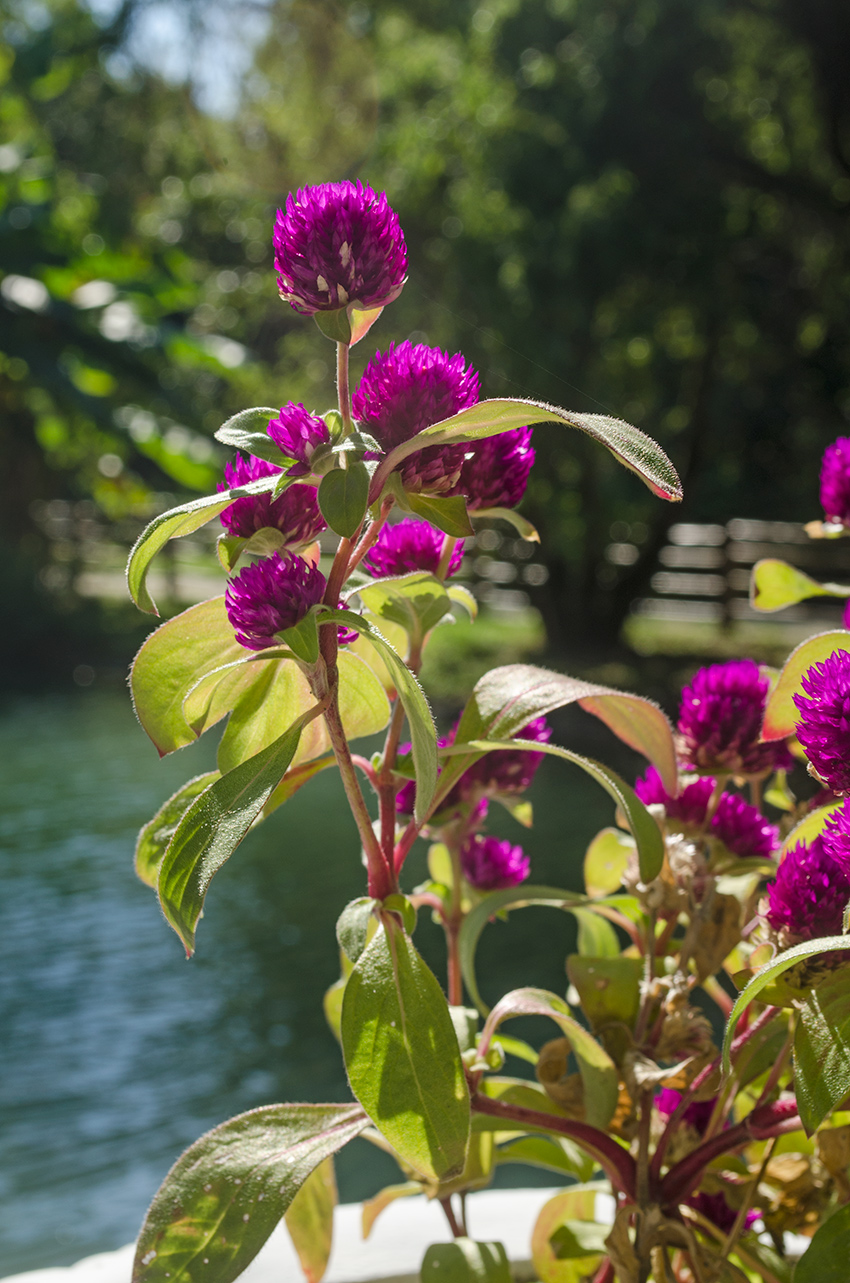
(392, 1253)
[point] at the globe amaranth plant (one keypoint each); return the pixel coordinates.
(311, 647)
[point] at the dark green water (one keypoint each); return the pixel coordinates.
(115, 1053)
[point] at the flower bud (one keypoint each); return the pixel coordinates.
(297, 433)
(489, 864)
(295, 513)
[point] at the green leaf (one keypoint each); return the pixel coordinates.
(825, 1259)
(574, 1239)
(609, 987)
(352, 926)
(263, 542)
(506, 699)
(213, 827)
(172, 661)
(203, 705)
(464, 1261)
(344, 497)
(174, 524)
(158, 832)
(775, 585)
(334, 324)
(486, 909)
(521, 524)
(423, 733)
(248, 431)
(516, 1047)
(310, 1220)
(281, 693)
(416, 602)
(605, 861)
(464, 598)
(813, 824)
(770, 972)
(645, 831)
(633, 448)
(575, 1204)
(822, 1049)
(303, 638)
(446, 513)
(402, 1055)
(780, 714)
(554, 1154)
(596, 937)
(224, 1196)
(598, 1071)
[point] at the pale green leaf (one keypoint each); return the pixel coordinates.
(776, 585)
(605, 861)
(521, 524)
(310, 1220)
(402, 1055)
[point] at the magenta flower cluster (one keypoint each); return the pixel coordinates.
(295, 514)
(495, 471)
(407, 546)
(336, 244)
(810, 892)
(835, 481)
(269, 596)
(407, 389)
(720, 722)
(297, 433)
(739, 826)
(824, 725)
(491, 864)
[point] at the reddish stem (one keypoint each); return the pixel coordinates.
(616, 1162)
(761, 1124)
(605, 1273)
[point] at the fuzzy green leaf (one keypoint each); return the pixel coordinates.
(155, 836)
(343, 498)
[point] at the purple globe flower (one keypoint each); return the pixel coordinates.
(689, 807)
(295, 514)
(697, 1114)
(743, 828)
(337, 244)
(720, 722)
(490, 864)
(824, 725)
(407, 546)
(403, 391)
(835, 837)
(835, 481)
(405, 798)
(270, 596)
(495, 470)
(809, 895)
(297, 433)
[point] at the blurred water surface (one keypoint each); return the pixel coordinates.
(115, 1052)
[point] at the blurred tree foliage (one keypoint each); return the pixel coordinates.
(639, 206)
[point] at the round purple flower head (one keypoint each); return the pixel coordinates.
(270, 596)
(337, 244)
(835, 481)
(836, 837)
(824, 725)
(295, 514)
(403, 391)
(495, 470)
(490, 864)
(409, 545)
(715, 1208)
(810, 893)
(743, 828)
(720, 722)
(689, 807)
(297, 433)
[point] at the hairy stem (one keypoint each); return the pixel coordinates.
(616, 1162)
(370, 538)
(449, 545)
(342, 387)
